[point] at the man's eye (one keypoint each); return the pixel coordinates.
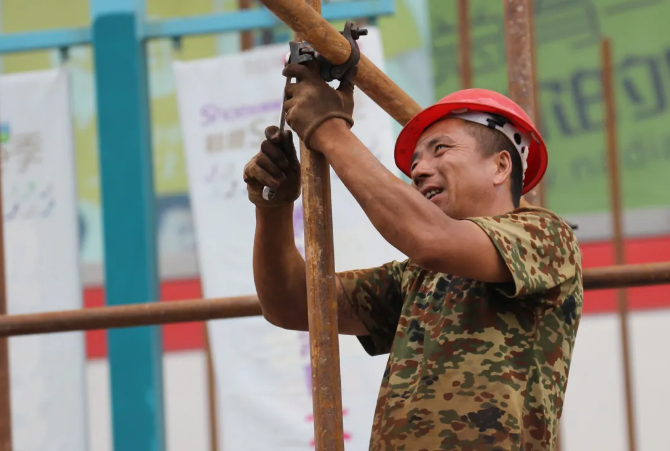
(441, 148)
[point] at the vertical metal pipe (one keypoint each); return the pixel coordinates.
(464, 54)
(247, 36)
(211, 389)
(321, 299)
(615, 199)
(520, 65)
(538, 195)
(5, 387)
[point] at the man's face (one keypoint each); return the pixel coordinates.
(449, 169)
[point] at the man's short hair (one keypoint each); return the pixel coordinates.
(492, 141)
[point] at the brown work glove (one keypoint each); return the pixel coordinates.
(276, 166)
(311, 101)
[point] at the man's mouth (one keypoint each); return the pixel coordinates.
(432, 193)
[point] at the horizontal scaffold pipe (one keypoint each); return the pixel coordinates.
(156, 313)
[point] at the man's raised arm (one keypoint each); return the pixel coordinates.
(279, 269)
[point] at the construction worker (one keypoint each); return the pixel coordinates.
(480, 320)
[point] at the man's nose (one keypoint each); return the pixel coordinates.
(421, 170)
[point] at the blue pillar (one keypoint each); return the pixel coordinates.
(131, 275)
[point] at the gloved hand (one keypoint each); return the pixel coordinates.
(276, 166)
(311, 101)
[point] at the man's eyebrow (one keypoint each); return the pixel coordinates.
(432, 143)
(444, 137)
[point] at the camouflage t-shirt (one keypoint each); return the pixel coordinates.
(472, 365)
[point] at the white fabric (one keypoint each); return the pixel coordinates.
(42, 258)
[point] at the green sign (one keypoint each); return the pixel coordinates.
(568, 36)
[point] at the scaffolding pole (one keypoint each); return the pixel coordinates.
(615, 199)
(151, 314)
(518, 36)
(321, 296)
(518, 16)
(246, 36)
(5, 387)
(464, 46)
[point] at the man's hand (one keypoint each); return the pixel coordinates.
(311, 101)
(276, 166)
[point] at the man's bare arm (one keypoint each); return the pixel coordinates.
(423, 232)
(280, 278)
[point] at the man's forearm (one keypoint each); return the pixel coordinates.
(279, 269)
(393, 207)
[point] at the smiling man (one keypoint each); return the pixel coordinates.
(480, 320)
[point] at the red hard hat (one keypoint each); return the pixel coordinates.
(479, 100)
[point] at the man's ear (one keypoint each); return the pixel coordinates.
(503, 167)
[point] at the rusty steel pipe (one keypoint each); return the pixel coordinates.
(211, 393)
(627, 276)
(537, 195)
(322, 301)
(328, 41)
(158, 313)
(519, 36)
(247, 36)
(5, 387)
(321, 296)
(464, 47)
(131, 315)
(615, 198)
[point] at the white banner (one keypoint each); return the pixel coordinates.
(263, 372)
(41, 250)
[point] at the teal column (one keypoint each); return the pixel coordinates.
(131, 277)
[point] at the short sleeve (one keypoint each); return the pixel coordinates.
(375, 295)
(539, 248)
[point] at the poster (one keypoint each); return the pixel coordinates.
(42, 259)
(263, 372)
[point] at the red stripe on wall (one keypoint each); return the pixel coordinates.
(645, 250)
(190, 336)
